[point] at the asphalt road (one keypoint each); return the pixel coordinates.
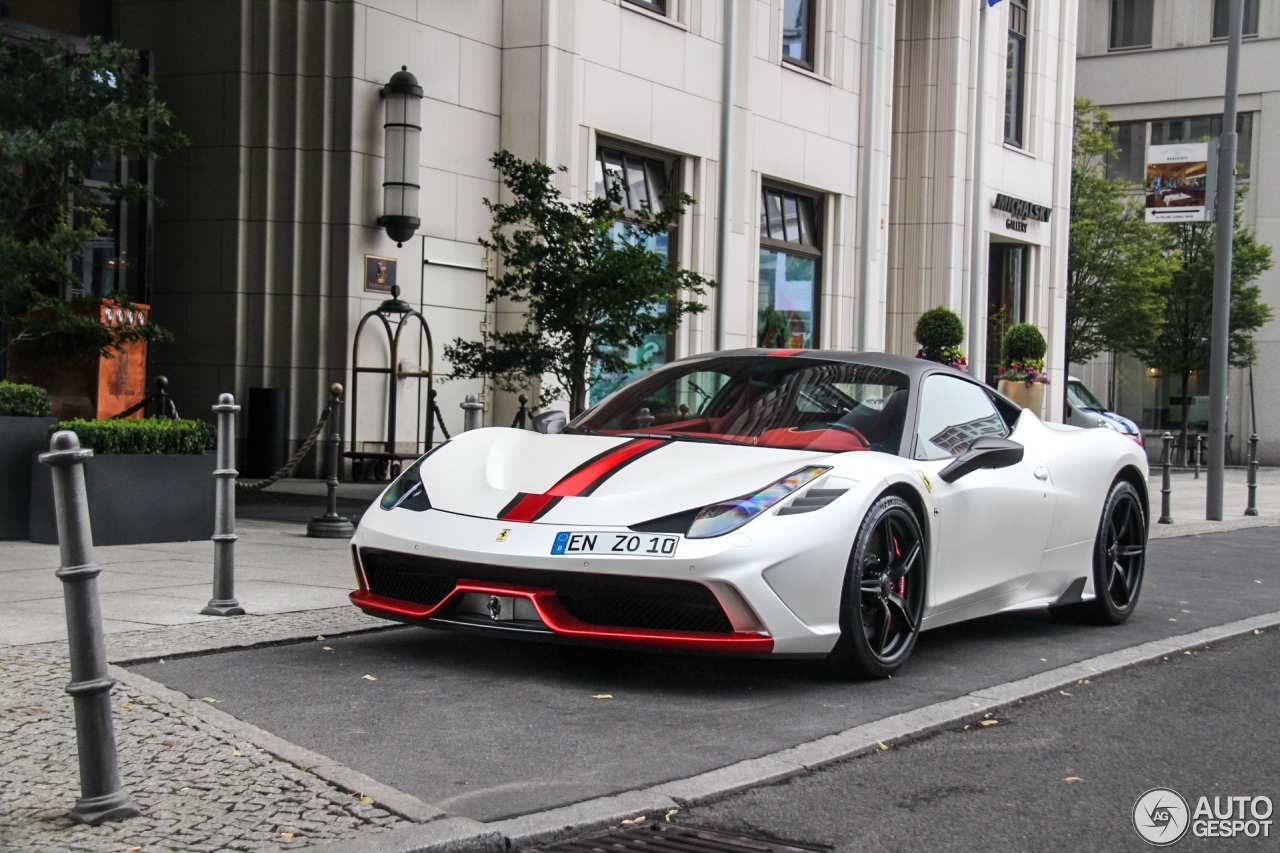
(1059, 772)
(490, 729)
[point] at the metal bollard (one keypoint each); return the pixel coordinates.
(523, 413)
(1251, 508)
(224, 601)
(472, 408)
(1195, 454)
(1166, 459)
(162, 397)
(101, 796)
(331, 525)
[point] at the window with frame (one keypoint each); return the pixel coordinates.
(1131, 23)
(1222, 18)
(953, 414)
(790, 274)
(798, 33)
(1130, 139)
(658, 7)
(1015, 73)
(641, 179)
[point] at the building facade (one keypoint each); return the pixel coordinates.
(836, 197)
(1159, 68)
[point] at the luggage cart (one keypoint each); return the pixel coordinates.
(378, 464)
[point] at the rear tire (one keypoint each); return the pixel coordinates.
(883, 599)
(1119, 556)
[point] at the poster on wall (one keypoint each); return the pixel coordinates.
(1177, 185)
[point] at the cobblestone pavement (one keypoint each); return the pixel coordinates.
(200, 786)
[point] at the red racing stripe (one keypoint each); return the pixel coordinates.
(579, 482)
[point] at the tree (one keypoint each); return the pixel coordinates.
(1184, 339)
(588, 281)
(61, 111)
(1116, 261)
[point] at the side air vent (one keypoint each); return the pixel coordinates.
(811, 500)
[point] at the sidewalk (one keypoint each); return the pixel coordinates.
(206, 781)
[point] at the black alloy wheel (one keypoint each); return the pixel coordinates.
(883, 599)
(1119, 555)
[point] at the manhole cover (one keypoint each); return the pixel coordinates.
(672, 838)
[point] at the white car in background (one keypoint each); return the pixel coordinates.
(1085, 410)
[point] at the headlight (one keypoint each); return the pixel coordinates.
(721, 518)
(407, 490)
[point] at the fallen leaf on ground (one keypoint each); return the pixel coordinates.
(671, 814)
(127, 707)
(368, 678)
(171, 743)
(368, 801)
(603, 696)
(1064, 692)
(208, 699)
(35, 712)
(286, 835)
(1258, 631)
(1089, 669)
(1073, 779)
(161, 660)
(1083, 681)
(326, 648)
(633, 821)
(880, 744)
(988, 722)
(321, 637)
(236, 752)
(132, 849)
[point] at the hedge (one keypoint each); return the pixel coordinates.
(23, 400)
(169, 436)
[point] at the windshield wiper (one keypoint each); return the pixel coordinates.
(680, 436)
(581, 429)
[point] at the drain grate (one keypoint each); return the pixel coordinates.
(671, 838)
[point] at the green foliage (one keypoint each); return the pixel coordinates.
(940, 331)
(1117, 262)
(587, 282)
(24, 400)
(938, 328)
(169, 436)
(61, 111)
(1023, 342)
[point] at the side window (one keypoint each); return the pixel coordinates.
(953, 412)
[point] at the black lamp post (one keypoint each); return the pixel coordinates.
(403, 127)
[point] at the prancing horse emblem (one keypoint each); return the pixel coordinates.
(495, 608)
(502, 535)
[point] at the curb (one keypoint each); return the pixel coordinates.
(433, 831)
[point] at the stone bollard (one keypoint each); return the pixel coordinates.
(101, 796)
(224, 601)
(1166, 459)
(331, 525)
(1251, 508)
(472, 409)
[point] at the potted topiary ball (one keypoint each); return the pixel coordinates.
(1022, 375)
(24, 423)
(939, 332)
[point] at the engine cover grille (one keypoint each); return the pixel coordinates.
(602, 600)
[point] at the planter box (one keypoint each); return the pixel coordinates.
(21, 440)
(1028, 397)
(134, 499)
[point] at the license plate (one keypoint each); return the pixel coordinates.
(625, 544)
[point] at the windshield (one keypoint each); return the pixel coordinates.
(1078, 397)
(795, 403)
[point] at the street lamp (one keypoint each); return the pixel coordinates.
(403, 127)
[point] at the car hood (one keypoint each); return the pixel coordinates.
(523, 476)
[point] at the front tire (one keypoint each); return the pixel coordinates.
(883, 599)
(1119, 556)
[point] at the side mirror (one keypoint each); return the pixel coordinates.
(985, 452)
(550, 423)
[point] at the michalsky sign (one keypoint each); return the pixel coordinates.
(1022, 209)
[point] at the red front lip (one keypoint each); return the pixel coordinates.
(561, 622)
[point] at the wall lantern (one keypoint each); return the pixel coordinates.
(403, 127)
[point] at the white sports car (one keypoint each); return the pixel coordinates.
(786, 502)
